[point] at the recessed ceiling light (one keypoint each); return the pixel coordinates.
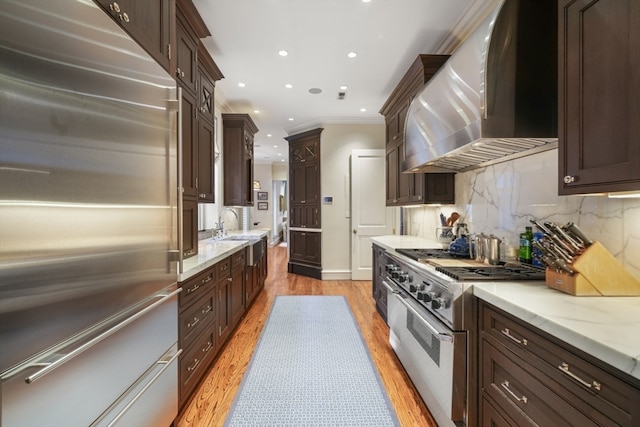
(275, 146)
(363, 109)
(241, 84)
(268, 135)
(315, 90)
(352, 54)
(282, 160)
(344, 87)
(366, 1)
(279, 154)
(290, 119)
(288, 85)
(256, 111)
(283, 52)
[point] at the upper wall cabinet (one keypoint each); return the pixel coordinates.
(147, 21)
(411, 188)
(599, 93)
(239, 130)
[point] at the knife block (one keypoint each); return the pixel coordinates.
(598, 273)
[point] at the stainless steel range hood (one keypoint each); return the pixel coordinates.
(494, 99)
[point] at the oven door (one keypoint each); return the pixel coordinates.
(432, 354)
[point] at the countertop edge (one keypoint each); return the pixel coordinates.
(591, 345)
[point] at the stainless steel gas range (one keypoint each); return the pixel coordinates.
(431, 316)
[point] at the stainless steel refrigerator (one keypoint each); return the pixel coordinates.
(88, 222)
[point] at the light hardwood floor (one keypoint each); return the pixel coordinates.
(213, 398)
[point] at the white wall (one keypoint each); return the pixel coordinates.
(336, 143)
(262, 172)
(501, 199)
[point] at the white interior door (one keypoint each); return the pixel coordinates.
(369, 215)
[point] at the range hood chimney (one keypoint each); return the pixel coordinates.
(494, 99)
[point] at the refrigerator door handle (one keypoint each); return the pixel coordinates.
(167, 360)
(60, 359)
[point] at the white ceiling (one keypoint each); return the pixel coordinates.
(386, 34)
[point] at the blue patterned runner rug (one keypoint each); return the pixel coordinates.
(311, 367)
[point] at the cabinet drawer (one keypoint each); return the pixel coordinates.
(238, 260)
(195, 287)
(196, 319)
(590, 388)
(223, 269)
(195, 361)
(521, 396)
(491, 417)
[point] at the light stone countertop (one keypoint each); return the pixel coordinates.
(212, 251)
(405, 242)
(607, 328)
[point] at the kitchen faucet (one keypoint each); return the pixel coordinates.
(219, 228)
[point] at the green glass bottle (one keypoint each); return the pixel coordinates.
(525, 246)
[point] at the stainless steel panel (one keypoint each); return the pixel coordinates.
(495, 97)
(426, 356)
(77, 392)
(152, 401)
(87, 173)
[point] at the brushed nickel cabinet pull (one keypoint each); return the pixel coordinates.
(507, 333)
(505, 385)
(565, 369)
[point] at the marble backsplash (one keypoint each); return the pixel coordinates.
(502, 198)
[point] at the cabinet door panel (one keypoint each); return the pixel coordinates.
(189, 146)
(599, 138)
(187, 46)
(147, 22)
(205, 161)
(189, 228)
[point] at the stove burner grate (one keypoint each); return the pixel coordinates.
(505, 272)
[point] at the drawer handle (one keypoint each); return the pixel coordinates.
(507, 333)
(194, 366)
(505, 385)
(193, 323)
(565, 369)
(206, 310)
(193, 289)
(208, 347)
(207, 280)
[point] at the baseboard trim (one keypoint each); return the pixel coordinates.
(336, 275)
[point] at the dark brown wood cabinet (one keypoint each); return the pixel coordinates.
(189, 228)
(256, 275)
(210, 305)
(411, 188)
(186, 55)
(305, 222)
(223, 286)
(379, 291)
(237, 286)
(529, 378)
(195, 73)
(148, 22)
(239, 131)
(599, 88)
(305, 247)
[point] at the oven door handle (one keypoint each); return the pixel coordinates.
(390, 287)
(441, 336)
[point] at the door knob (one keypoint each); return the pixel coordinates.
(355, 231)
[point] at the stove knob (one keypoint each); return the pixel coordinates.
(438, 303)
(403, 277)
(389, 267)
(395, 273)
(421, 296)
(430, 296)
